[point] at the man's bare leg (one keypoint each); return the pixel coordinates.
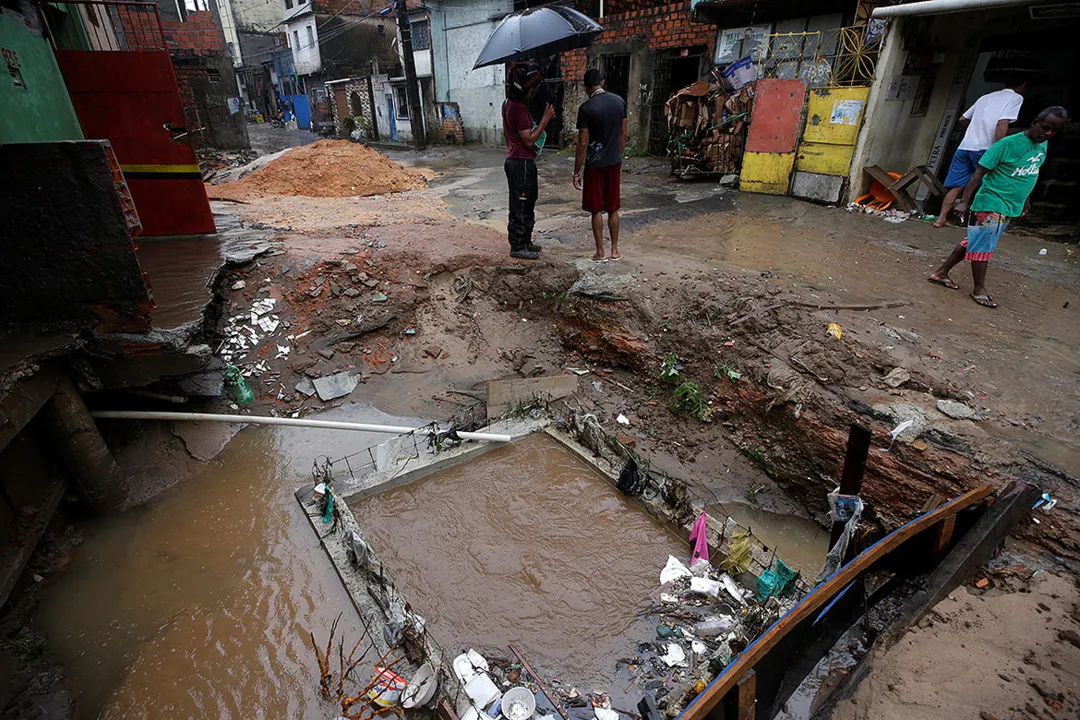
(598, 234)
(947, 205)
(613, 227)
(978, 276)
(941, 275)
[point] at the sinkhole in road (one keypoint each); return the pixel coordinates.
(530, 546)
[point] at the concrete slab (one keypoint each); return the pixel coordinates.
(336, 386)
(814, 186)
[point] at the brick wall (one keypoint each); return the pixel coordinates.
(198, 35)
(451, 129)
(660, 27)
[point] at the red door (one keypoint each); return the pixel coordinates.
(124, 90)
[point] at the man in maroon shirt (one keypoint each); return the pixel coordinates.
(522, 136)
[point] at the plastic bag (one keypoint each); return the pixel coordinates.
(715, 626)
(738, 554)
(673, 570)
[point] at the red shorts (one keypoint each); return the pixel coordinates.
(602, 189)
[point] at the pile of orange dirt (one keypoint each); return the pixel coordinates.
(326, 168)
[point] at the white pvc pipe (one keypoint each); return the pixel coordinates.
(941, 7)
(290, 422)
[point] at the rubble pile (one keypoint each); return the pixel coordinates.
(706, 124)
(213, 161)
(326, 168)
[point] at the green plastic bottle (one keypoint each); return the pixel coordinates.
(239, 387)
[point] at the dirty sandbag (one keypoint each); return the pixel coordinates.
(357, 550)
(673, 571)
(739, 554)
(631, 482)
(715, 626)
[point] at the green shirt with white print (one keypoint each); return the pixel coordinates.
(1012, 165)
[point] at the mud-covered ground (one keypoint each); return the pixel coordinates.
(725, 281)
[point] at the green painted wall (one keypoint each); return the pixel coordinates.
(41, 110)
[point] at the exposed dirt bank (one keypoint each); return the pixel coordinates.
(982, 654)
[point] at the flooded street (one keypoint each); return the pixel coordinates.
(525, 545)
(199, 603)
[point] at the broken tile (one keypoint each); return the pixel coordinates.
(305, 387)
(336, 386)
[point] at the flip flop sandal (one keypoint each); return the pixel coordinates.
(944, 283)
(984, 300)
(613, 259)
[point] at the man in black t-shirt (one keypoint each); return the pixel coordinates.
(601, 125)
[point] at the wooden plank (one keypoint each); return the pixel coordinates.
(944, 538)
(504, 394)
(726, 681)
(747, 696)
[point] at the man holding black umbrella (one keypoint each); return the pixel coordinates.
(523, 139)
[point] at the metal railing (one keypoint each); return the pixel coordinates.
(841, 57)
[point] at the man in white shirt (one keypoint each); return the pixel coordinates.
(988, 121)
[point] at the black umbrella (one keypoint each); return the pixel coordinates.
(539, 32)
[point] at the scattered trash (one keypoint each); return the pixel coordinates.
(705, 586)
(715, 626)
(835, 330)
(1043, 251)
(379, 297)
(421, 688)
(335, 386)
(1045, 503)
(410, 331)
(673, 571)
(239, 388)
(698, 647)
(896, 377)
(896, 432)
(982, 583)
(386, 687)
(579, 371)
(675, 656)
(919, 445)
(238, 285)
(518, 703)
(622, 419)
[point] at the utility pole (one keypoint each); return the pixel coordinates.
(412, 84)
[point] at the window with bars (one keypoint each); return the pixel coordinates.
(421, 35)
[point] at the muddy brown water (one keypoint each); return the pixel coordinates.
(799, 542)
(528, 546)
(198, 604)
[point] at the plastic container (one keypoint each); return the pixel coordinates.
(238, 386)
(518, 703)
(715, 626)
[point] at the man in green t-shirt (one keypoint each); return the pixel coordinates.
(1007, 172)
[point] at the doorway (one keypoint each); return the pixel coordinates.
(672, 71)
(616, 70)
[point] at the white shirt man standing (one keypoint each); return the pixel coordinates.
(987, 122)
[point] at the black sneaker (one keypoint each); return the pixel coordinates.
(533, 247)
(524, 254)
